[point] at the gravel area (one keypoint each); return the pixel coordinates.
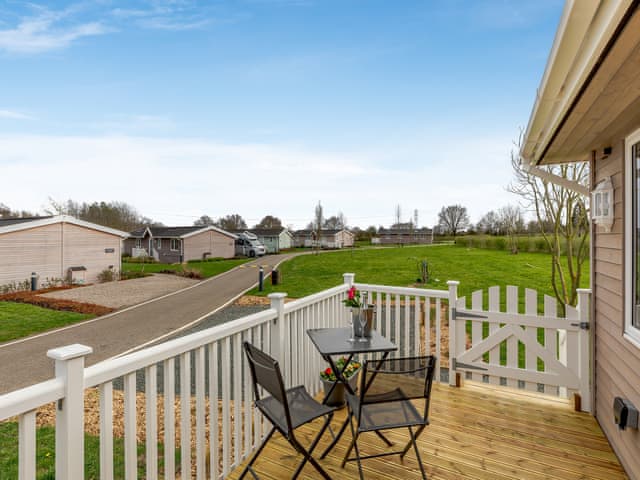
(127, 292)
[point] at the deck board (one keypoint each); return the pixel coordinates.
(476, 432)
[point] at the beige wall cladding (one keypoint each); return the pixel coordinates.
(92, 249)
(617, 361)
(217, 244)
(33, 250)
(51, 249)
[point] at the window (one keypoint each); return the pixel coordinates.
(632, 238)
(138, 243)
(159, 243)
(175, 244)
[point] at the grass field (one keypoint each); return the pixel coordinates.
(474, 268)
(207, 269)
(19, 320)
(45, 454)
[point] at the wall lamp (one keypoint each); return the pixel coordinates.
(602, 204)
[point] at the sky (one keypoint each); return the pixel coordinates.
(267, 107)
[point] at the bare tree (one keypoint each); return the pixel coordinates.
(512, 223)
(119, 215)
(490, 224)
(453, 219)
(270, 222)
(335, 222)
(232, 222)
(562, 215)
(204, 220)
(7, 212)
(318, 217)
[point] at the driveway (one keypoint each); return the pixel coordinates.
(25, 362)
(126, 293)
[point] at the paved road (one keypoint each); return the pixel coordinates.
(25, 362)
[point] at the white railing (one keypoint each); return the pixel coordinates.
(208, 369)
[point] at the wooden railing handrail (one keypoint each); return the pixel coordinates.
(30, 398)
(116, 367)
(421, 292)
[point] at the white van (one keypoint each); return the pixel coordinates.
(247, 244)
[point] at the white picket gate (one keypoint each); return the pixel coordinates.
(542, 353)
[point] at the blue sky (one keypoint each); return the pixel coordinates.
(267, 106)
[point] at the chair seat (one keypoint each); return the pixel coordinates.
(302, 408)
(385, 411)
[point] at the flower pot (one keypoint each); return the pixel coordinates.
(337, 397)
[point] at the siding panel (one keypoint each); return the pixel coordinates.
(617, 370)
(94, 250)
(34, 250)
(215, 243)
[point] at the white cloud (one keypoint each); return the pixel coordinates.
(13, 115)
(177, 180)
(45, 31)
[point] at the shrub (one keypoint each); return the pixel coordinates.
(540, 245)
(15, 287)
(168, 271)
(210, 259)
(107, 275)
(129, 274)
(500, 243)
(190, 272)
(141, 260)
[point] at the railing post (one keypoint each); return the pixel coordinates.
(453, 300)
(277, 331)
(70, 411)
(349, 279)
(584, 350)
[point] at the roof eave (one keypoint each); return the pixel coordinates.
(585, 29)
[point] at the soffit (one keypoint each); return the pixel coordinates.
(609, 108)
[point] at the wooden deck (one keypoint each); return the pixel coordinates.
(476, 432)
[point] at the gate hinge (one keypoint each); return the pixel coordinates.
(582, 325)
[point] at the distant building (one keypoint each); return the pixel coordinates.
(340, 238)
(403, 236)
(180, 244)
(273, 239)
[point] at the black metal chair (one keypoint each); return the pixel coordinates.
(285, 409)
(384, 402)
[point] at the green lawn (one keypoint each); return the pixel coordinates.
(474, 268)
(208, 269)
(20, 320)
(45, 454)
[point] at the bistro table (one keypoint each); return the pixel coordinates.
(338, 341)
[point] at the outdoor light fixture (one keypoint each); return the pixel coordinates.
(602, 204)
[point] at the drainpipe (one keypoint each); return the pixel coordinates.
(592, 303)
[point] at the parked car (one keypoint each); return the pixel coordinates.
(247, 244)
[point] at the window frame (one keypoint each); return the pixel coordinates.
(631, 332)
(171, 244)
(138, 243)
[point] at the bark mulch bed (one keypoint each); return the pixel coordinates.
(35, 298)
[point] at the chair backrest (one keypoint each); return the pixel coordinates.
(265, 373)
(395, 379)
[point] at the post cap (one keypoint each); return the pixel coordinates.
(453, 282)
(277, 295)
(69, 352)
(583, 290)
